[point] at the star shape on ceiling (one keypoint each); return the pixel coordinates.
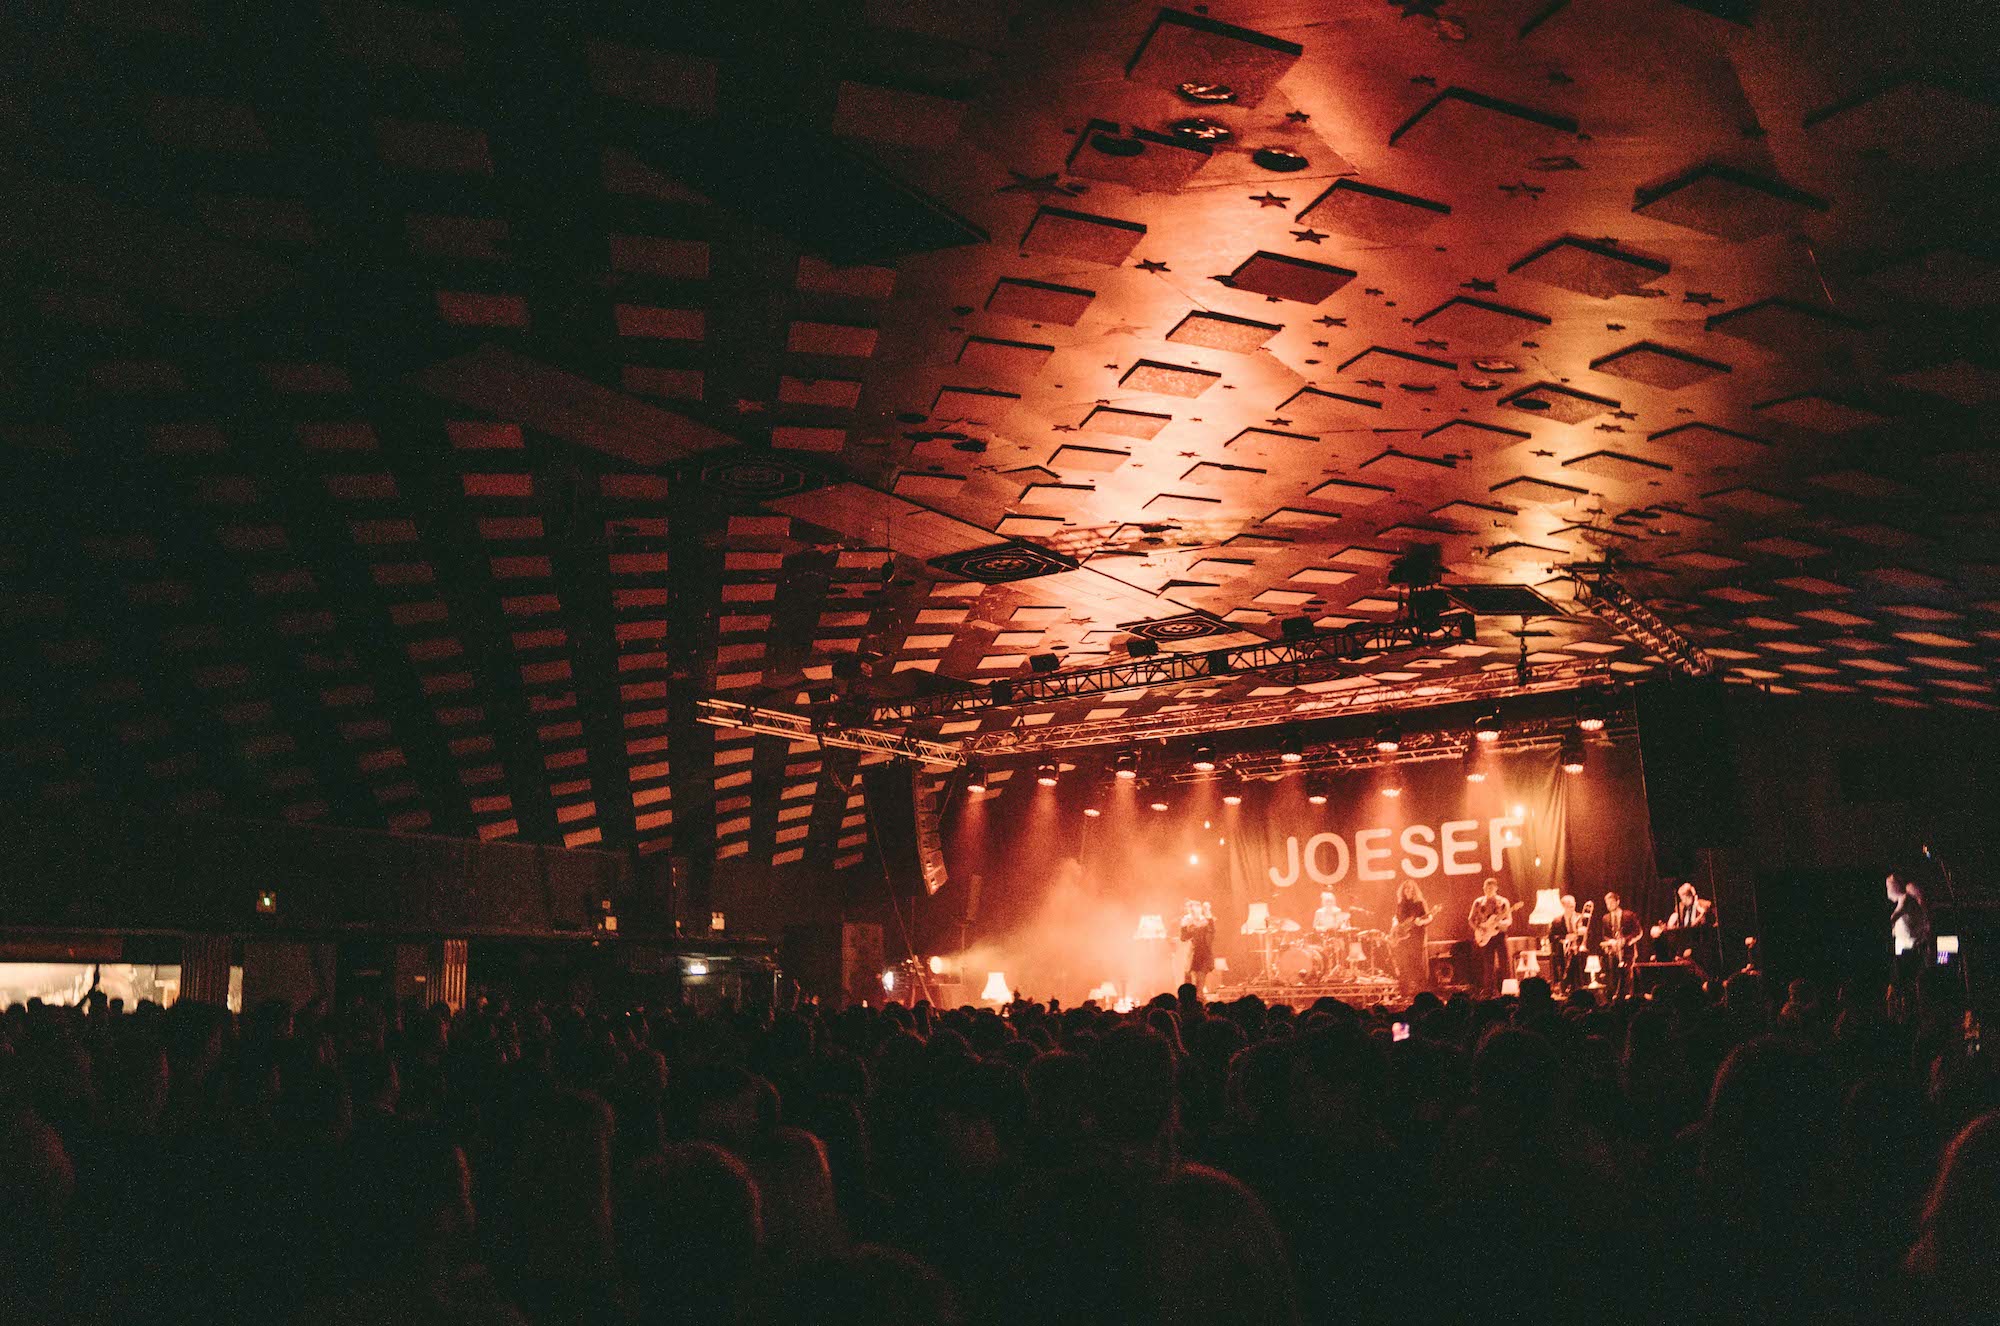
(744, 406)
(1559, 78)
(1522, 190)
(1701, 297)
(1623, 414)
(1278, 423)
(1329, 321)
(1065, 428)
(1308, 236)
(1435, 345)
(1268, 199)
(1478, 285)
(1149, 265)
(1039, 186)
(1297, 116)
(1544, 454)
(1614, 326)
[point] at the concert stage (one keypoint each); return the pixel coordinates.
(1361, 994)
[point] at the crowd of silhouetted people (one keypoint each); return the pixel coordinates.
(1742, 1154)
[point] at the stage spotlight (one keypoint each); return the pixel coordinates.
(1389, 738)
(1291, 748)
(1316, 791)
(1159, 805)
(1204, 759)
(975, 777)
(1043, 663)
(1139, 647)
(1233, 796)
(937, 966)
(1590, 715)
(1046, 775)
(1392, 784)
(1126, 766)
(1091, 812)
(1486, 728)
(1475, 772)
(1572, 753)
(889, 981)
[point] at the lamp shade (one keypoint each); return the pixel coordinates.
(1152, 926)
(996, 991)
(1259, 919)
(1593, 964)
(1548, 906)
(1510, 986)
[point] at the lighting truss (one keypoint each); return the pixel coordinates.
(1417, 748)
(798, 727)
(1285, 661)
(1193, 719)
(1603, 597)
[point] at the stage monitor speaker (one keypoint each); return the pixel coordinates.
(1449, 962)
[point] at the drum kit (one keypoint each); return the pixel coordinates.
(1295, 956)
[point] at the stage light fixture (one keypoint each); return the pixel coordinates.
(1389, 738)
(1204, 759)
(1590, 715)
(1091, 812)
(975, 777)
(1486, 728)
(1043, 663)
(1126, 765)
(1046, 775)
(1233, 796)
(1159, 805)
(937, 966)
(1140, 647)
(1572, 753)
(1392, 790)
(889, 981)
(1475, 772)
(1291, 748)
(1316, 791)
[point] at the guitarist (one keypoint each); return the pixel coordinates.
(1406, 935)
(1490, 918)
(1618, 933)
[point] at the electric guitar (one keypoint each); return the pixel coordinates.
(1484, 931)
(1398, 927)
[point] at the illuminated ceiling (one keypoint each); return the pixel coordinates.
(411, 412)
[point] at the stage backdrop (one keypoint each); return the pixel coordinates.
(1053, 898)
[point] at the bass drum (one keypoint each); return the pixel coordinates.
(1299, 964)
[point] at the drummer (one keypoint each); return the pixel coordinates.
(1330, 916)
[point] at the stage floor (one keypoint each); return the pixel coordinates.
(1361, 993)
